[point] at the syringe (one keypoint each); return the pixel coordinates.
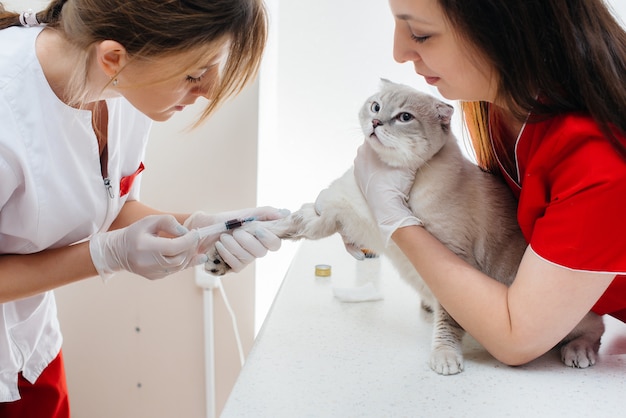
(223, 227)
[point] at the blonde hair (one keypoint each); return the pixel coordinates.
(159, 28)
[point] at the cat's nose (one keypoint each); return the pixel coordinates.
(376, 122)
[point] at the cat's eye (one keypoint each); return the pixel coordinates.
(405, 117)
(375, 107)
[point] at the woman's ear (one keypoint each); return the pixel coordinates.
(111, 56)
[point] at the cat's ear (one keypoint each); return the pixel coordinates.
(384, 82)
(444, 113)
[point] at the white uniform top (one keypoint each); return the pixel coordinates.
(52, 193)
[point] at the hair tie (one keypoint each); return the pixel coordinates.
(29, 18)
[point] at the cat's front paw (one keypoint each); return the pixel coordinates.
(215, 264)
(446, 361)
(580, 353)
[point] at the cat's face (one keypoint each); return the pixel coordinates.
(404, 126)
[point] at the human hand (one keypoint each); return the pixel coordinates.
(243, 246)
(138, 248)
(202, 219)
(386, 190)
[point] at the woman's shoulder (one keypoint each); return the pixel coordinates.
(17, 52)
(563, 126)
(573, 194)
(572, 135)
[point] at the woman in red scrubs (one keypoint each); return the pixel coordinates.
(543, 93)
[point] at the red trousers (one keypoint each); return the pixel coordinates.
(47, 398)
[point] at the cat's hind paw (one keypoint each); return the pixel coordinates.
(580, 353)
(446, 361)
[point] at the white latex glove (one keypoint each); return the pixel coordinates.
(202, 219)
(386, 190)
(243, 247)
(138, 248)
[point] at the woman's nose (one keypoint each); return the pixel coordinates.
(403, 46)
(202, 90)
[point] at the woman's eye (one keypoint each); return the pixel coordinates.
(419, 39)
(375, 107)
(404, 117)
(192, 79)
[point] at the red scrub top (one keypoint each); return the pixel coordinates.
(571, 186)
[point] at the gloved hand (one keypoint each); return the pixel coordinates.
(241, 247)
(201, 219)
(138, 248)
(386, 190)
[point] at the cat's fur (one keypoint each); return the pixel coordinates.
(468, 210)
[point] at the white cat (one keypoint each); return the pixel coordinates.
(470, 211)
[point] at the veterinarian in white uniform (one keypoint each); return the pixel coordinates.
(67, 176)
(37, 213)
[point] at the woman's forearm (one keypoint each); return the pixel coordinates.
(515, 324)
(26, 275)
(135, 210)
(467, 294)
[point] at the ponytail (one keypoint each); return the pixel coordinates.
(50, 16)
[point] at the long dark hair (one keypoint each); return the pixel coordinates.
(571, 52)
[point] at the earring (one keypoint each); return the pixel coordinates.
(114, 82)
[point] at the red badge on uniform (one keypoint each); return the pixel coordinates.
(127, 182)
